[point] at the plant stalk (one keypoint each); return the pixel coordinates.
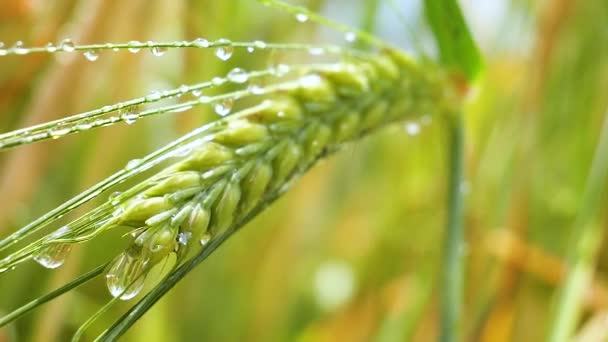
(453, 264)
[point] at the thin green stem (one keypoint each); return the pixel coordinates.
(585, 243)
(135, 46)
(51, 295)
(453, 264)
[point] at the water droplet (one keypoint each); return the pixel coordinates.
(301, 17)
(238, 75)
(133, 163)
(184, 89)
(224, 52)
(84, 125)
(126, 276)
(129, 117)
(201, 43)
(114, 197)
(218, 81)
(59, 131)
(184, 237)
(154, 96)
(205, 239)
(91, 55)
(67, 45)
(134, 46)
(158, 51)
(316, 51)
(60, 233)
(224, 107)
(310, 81)
(3, 51)
(281, 70)
(255, 88)
(350, 37)
(19, 49)
(412, 128)
(250, 49)
(196, 93)
(260, 44)
(53, 255)
(50, 47)
(204, 99)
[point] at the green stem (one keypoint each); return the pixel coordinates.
(51, 295)
(453, 266)
(586, 242)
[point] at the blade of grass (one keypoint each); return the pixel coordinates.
(457, 48)
(586, 240)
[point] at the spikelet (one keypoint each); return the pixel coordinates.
(259, 152)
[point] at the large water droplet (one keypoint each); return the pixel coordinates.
(238, 75)
(67, 45)
(201, 43)
(158, 51)
(53, 256)
(250, 49)
(91, 55)
(224, 52)
(125, 278)
(3, 51)
(412, 128)
(301, 17)
(133, 163)
(224, 107)
(196, 93)
(19, 49)
(134, 46)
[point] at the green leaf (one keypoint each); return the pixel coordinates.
(457, 49)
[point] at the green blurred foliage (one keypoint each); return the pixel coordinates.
(352, 253)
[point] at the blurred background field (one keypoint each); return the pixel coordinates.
(353, 252)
